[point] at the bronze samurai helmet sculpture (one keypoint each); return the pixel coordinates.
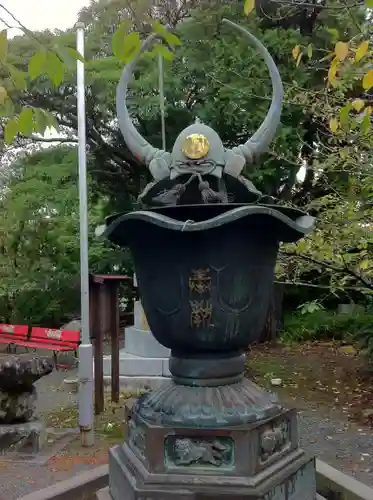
(198, 158)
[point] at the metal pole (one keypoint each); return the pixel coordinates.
(161, 100)
(85, 348)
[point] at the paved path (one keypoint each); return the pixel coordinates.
(334, 441)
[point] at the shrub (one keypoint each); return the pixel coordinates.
(325, 325)
(364, 337)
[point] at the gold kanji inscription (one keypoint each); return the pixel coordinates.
(200, 281)
(200, 314)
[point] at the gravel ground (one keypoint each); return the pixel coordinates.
(333, 440)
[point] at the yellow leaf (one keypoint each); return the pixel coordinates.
(299, 59)
(249, 6)
(332, 73)
(301, 245)
(329, 56)
(368, 80)
(364, 264)
(296, 51)
(348, 349)
(341, 50)
(361, 50)
(333, 124)
(368, 110)
(358, 104)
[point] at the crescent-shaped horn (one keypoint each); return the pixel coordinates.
(138, 146)
(259, 142)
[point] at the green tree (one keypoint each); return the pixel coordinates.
(39, 239)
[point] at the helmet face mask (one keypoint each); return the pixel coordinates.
(198, 155)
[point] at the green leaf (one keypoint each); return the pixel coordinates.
(369, 4)
(41, 120)
(18, 77)
(36, 65)
(75, 54)
(164, 52)
(171, 39)
(119, 36)
(3, 95)
(249, 6)
(344, 114)
(126, 48)
(3, 45)
(54, 68)
(365, 125)
(334, 33)
(69, 56)
(7, 109)
(51, 120)
(309, 50)
(11, 130)
(26, 121)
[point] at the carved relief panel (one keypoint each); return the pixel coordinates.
(274, 441)
(202, 453)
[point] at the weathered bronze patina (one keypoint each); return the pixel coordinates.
(204, 250)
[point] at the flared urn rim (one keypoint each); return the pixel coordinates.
(299, 222)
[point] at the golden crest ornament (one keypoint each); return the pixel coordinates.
(195, 146)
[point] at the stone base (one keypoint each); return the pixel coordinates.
(28, 437)
(131, 365)
(291, 479)
(259, 460)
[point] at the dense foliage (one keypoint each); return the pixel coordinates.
(39, 240)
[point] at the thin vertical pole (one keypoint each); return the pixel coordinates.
(161, 100)
(85, 348)
(101, 314)
(114, 333)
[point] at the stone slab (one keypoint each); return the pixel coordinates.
(131, 365)
(28, 436)
(142, 343)
(82, 486)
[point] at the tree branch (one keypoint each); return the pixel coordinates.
(331, 266)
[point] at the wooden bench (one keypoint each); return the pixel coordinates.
(13, 336)
(54, 340)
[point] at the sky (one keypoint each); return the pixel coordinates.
(38, 15)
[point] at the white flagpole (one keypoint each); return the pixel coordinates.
(161, 100)
(85, 348)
